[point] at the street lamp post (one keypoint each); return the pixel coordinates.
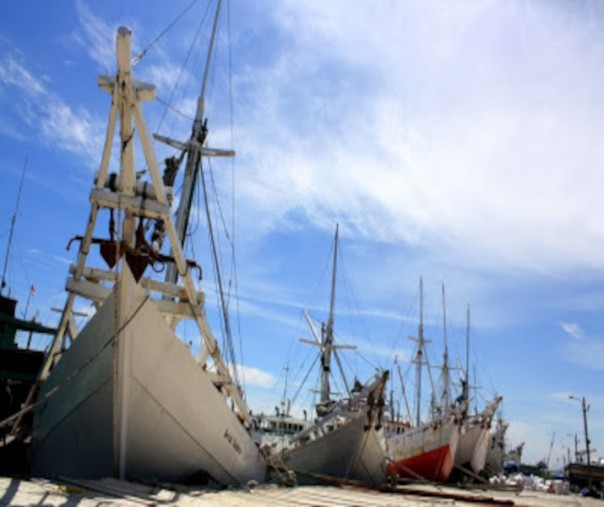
(584, 409)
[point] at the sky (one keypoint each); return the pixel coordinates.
(458, 141)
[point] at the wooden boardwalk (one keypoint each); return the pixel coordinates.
(111, 492)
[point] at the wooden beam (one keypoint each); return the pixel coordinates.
(141, 206)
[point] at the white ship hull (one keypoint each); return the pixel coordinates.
(495, 449)
(494, 462)
(349, 451)
(139, 408)
(475, 440)
(473, 446)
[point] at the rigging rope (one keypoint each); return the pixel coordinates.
(9, 420)
(174, 110)
(234, 267)
(312, 366)
(184, 65)
(230, 348)
(349, 291)
(142, 54)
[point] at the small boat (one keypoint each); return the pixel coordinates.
(425, 451)
(124, 396)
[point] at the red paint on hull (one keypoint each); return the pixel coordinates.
(435, 465)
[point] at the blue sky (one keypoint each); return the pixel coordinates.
(458, 141)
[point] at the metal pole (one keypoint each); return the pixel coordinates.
(585, 408)
(12, 228)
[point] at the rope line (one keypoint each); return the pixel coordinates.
(142, 54)
(74, 373)
(184, 65)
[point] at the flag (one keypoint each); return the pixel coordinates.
(33, 290)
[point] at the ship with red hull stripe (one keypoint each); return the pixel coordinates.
(426, 450)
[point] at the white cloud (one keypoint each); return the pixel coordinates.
(584, 350)
(572, 329)
(256, 377)
(13, 73)
(71, 129)
(63, 260)
(469, 129)
(589, 352)
(96, 36)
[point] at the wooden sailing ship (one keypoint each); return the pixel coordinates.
(474, 438)
(346, 439)
(426, 450)
(124, 396)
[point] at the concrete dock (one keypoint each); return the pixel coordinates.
(109, 492)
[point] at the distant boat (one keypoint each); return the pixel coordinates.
(273, 433)
(513, 457)
(127, 398)
(581, 475)
(346, 438)
(426, 450)
(496, 448)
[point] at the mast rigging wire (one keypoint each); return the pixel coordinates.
(231, 109)
(184, 65)
(142, 54)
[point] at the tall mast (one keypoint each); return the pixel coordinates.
(12, 228)
(198, 137)
(446, 395)
(195, 150)
(419, 356)
(328, 329)
(466, 386)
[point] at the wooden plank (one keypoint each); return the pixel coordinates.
(141, 206)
